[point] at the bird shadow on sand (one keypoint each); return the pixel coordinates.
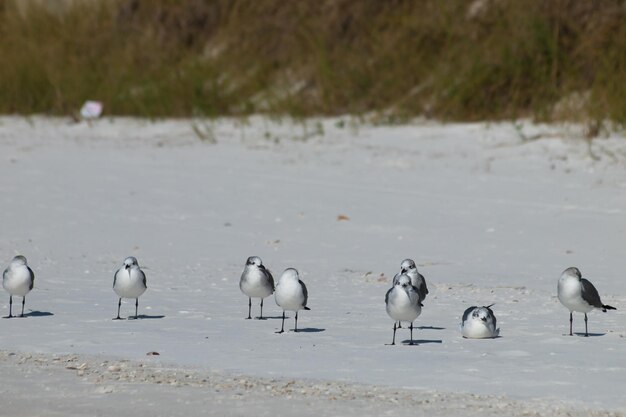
(590, 334)
(38, 314)
(310, 330)
(145, 316)
(417, 342)
(269, 318)
(430, 328)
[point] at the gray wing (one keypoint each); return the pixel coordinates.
(269, 276)
(387, 295)
(467, 313)
(145, 284)
(32, 277)
(305, 292)
(425, 289)
(115, 277)
(590, 294)
(493, 317)
(4, 274)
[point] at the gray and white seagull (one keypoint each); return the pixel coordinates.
(403, 304)
(18, 279)
(417, 280)
(129, 282)
(256, 282)
(479, 323)
(578, 294)
(408, 268)
(291, 295)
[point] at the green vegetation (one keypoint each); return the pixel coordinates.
(454, 60)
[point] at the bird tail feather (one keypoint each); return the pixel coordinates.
(607, 307)
(306, 308)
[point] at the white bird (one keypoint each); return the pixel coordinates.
(129, 282)
(291, 295)
(408, 267)
(417, 280)
(578, 294)
(18, 279)
(256, 282)
(403, 303)
(479, 323)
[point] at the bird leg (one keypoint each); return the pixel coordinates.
(10, 307)
(586, 334)
(571, 320)
(411, 327)
(249, 308)
(282, 327)
(136, 307)
(393, 342)
(23, 302)
(296, 329)
(119, 305)
(261, 316)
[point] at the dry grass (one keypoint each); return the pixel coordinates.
(457, 60)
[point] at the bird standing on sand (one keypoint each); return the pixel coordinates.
(129, 282)
(256, 282)
(403, 304)
(291, 295)
(479, 323)
(18, 279)
(578, 294)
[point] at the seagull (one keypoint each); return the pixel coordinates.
(417, 280)
(403, 303)
(129, 282)
(479, 323)
(291, 294)
(18, 279)
(578, 294)
(256, 282)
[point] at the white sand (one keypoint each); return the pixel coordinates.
(487, 216)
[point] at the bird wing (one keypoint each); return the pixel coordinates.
(493, 316)
(387, 295)
(143, 275)
(115, 277)
(425, 289)
(32, 277)
(4, 274)
(590, 294)
(269, 276)
(304, 292)
(467, 313)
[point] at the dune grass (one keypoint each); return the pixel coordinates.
(453, 60)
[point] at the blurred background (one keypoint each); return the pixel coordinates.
(548, 60)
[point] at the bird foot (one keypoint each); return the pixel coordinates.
(280, 331)
(117, 318)
(260, 318)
